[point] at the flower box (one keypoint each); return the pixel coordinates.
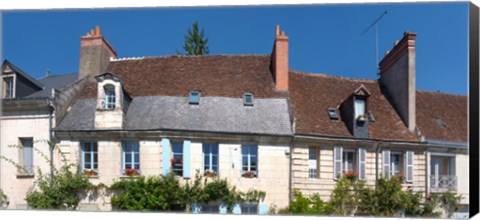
(351, 175)
(210, 173)
(131, 172)
(249, 174)
(176, 162)
(90, 173)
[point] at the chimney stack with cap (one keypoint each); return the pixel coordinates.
(397, 76)
(280, 60)
(95, 54)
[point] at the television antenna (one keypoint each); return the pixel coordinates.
(375, 23)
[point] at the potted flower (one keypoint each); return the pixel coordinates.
(131, 172)
(351, 175)
(90, 173)
(210, 173)
(174, 161)
(248, 174)
(400, 177)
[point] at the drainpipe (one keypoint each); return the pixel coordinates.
(376, 162)
(290, 172)
(50, 136)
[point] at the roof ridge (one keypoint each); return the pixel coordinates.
(57, 75)
(442, 93)
(185, 56)
(324, 75)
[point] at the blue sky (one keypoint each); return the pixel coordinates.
(323, 38)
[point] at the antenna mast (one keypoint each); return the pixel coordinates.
(375, 23)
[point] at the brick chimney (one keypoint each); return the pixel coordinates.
(95, 53)
(280, 60)
(397, 76)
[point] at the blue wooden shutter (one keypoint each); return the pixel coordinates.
(165, 156)
(362, 153)
(186, 158)
(237, 209)
(337, 162)
(386, 164)
(223, 208)
(262, 209)
(409, 170)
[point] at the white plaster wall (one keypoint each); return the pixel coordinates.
(462, 172)
(12, 129)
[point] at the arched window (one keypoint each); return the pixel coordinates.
(109, 96)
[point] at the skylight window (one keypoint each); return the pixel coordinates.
(332, 113)
(440, 123)
(248, 99)
(194, 98)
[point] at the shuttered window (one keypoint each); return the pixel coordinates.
(337, 162)
(386, 164)
(409, 170)
(362, 157)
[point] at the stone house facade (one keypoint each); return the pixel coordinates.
(261, 125)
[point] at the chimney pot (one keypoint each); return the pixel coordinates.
(277, 30)
(283, 33)
(387, 52)
(97, 31)
(396, 43)
(92, 32)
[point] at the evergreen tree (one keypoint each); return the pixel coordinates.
(195, 44)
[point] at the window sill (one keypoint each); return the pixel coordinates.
(25, 176)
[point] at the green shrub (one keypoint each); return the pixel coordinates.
(154, 193)
(312, 205)
(64, 190)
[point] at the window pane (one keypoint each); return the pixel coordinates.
(137, 158)
(128, 157)
(359, 107)
(87, 147)
(177, 148)
(312, 153)
(215, 149)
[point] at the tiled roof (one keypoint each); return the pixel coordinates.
(214, 114)
(451, 109)
(312, 94)
(212, 75)
(56, 81)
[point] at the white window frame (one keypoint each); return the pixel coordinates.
(93, 155)
(401, 161)
(211, 155)
(245, 99)
(249, 158)
(9, 91)
(360, 104)
(27, 170)
(180, 170)
(132, 153)
(110, 96)
(344, 163)
(313, 163)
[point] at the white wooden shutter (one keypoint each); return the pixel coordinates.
(409, 170)
(337, 162)
(386, 163)
(362, 154)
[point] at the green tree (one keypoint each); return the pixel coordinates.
(195, 43)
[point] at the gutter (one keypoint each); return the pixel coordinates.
(351, 139)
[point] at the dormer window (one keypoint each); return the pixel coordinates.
(8, 85)
(359, 108)
(194, 98)
(109, 96)
(248, 99)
